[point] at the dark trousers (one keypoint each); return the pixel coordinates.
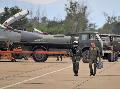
(93, 70)
(75, 61)
(75, 67)
(59, 56)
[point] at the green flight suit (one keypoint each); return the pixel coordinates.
(75, 61)
(75, 54)
(94, 53)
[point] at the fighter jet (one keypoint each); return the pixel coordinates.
(31, 41)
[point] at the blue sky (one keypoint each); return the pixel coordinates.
(56, 8)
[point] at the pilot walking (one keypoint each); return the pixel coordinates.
(75, 61)
(75, 56)
(94, 53)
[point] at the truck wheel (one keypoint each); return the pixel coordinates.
(39, 57)
(116, 57)
(111, 57)
(85, 56)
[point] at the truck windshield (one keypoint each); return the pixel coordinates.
(117, 39)
(84, 37)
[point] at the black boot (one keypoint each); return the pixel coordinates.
(94, 74)
(91, 74)
(76, 73)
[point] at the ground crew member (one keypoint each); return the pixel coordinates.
(94, 53)
(58, 57)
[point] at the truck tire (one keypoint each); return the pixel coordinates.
(85, 56)
(39, 57)
(111, 58)
(116, 57)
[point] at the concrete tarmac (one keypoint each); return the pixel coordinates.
(27, 74)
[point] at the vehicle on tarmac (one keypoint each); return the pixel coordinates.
(30, 41)
(111, 46)
(84, 41)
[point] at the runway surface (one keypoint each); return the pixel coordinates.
(27, 74)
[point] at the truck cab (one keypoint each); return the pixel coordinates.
(85, 38)
(111, 46)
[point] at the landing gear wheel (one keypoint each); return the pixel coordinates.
(39, 57)
(85, 56)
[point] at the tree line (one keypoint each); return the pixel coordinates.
(76, 20)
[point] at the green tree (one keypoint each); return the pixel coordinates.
(76, 19)
(112, 24)
(22, 23)
(44, 19)
(55, 27)
(5, 16)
